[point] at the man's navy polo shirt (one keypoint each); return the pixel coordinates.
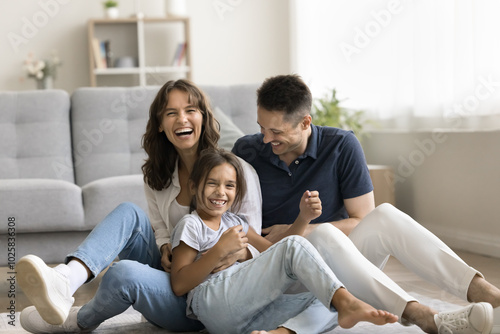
(333, 164)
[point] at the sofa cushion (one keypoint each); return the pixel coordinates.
(35, 139)
(238, 102)
(41, 205)
(107, 128)
(100, 197)
(229, 132)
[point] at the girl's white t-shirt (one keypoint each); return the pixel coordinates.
(196, 234)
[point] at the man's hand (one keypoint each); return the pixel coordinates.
(230, 259)
(276, 232)
(166, 257)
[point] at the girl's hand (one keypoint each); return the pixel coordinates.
(166, 257)
(310, 205)
(232, 241)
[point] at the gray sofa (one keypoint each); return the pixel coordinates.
(67, 161)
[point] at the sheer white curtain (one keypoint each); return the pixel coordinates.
(409, 63)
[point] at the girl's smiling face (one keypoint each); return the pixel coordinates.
(218, 192)
(181, 122)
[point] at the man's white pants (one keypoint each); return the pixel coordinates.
(357, 260)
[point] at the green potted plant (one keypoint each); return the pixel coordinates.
(327, 111)
(111, 8)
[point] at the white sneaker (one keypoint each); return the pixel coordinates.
(473, 319)
(496, 321)
(46, 288)
(32, 322)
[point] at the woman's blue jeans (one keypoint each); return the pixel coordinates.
(136, 280)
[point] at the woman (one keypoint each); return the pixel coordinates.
(180, 125)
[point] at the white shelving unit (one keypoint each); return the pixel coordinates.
(152, 42)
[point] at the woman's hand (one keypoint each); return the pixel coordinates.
(166, 257)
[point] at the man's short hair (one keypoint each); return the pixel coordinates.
(286, 93)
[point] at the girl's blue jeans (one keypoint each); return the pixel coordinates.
(136, 280)
(250, 296)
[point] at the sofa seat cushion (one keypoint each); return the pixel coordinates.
(41, 205)
(102, 196)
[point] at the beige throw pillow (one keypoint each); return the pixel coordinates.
(229, 132)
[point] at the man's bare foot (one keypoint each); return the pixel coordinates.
(352, 310)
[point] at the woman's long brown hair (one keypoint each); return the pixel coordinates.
(159, 166)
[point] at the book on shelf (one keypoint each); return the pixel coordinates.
(180, 55)
(96, 51)
(107, 53)
(102, 53)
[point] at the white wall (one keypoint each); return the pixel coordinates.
(447, 181)
(243, 43)
(232, 41)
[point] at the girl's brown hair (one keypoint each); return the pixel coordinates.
(208, 160)
(161, 153)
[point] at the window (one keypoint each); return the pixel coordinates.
(408, 63)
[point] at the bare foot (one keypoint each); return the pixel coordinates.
(352, 310)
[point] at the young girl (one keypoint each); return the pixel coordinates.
(249, 295)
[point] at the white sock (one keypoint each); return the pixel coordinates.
(75, 272)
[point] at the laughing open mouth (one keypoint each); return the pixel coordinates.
(183, 132)
(218, 202)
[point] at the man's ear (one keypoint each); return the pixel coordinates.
(306, 122)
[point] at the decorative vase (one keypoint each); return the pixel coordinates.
(45, 83)
(112, 12)
(176, 8)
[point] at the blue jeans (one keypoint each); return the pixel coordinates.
(250, 296)
(137, 280)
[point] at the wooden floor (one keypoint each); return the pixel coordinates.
(490, 267)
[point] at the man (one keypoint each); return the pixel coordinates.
(291, 155)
